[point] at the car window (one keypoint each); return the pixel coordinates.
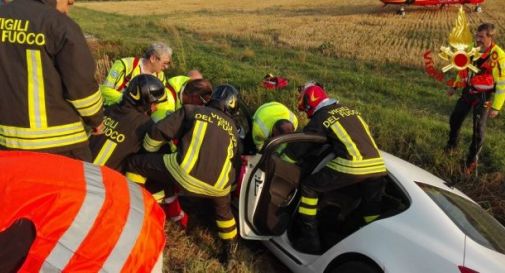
(475, 222)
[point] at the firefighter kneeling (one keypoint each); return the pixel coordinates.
(205, 162)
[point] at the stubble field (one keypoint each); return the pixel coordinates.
(366, 55)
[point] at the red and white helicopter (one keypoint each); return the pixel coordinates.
(440, 3)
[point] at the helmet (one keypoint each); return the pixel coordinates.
(143, 90)
(310, 96)
(226, 96)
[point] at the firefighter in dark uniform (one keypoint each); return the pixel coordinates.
(48, 85)
(205, 161)
(357, 161)
(127, 123)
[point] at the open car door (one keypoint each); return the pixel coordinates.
(269, 189)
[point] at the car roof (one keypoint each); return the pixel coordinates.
(406, 173)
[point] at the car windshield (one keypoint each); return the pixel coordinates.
(475, 222)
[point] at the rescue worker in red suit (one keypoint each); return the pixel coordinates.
(48, 92)
(60, 214)
(357, 162)
(206, 158)
(476, 95)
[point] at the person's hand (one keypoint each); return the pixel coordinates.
(493, 113)
(450, 91)
(98, 130)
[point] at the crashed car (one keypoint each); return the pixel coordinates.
(425, 225)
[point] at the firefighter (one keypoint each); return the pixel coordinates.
(476, 94)
(126, 123)
(48, 85)
(357, 161)
(156, 58)
(205, 161)
(272, 119)
(66, 215)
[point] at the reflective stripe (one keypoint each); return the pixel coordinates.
(107, 149)
(89, 105)
(152, 145)
(137, 178)
(70, 241)
(44, 143)
(306, 211)
(159, 196)
(178, 217)
(36, 92)
(309, 201)
(188, 182)
(228, 235)
(500, 90)
(130, 233)
(358, 164)
(194, 147)
(225, 170)
(363, 123)
(370, 218)
(20, 132)
(226, 223)
(359, 171)
(500, 82)
(288, 159)
(264, 130)
(346, 140)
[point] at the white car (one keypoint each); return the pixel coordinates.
(425, 225)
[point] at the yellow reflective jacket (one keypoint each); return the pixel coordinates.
(265, 118)
(121, 72)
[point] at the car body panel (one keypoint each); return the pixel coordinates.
(420, 239)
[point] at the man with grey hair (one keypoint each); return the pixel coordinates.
(156, 58)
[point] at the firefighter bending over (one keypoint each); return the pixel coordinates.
(205, 161)
(270, 120)
(357, 162)
(127, 123)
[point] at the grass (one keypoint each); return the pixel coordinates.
(366, 56)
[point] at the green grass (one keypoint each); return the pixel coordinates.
(407, 111)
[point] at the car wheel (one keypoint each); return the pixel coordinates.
(355, 267)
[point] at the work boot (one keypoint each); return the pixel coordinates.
(228, 251)
(174, 212)
(450, 149)
(470, 167)
(308, 239)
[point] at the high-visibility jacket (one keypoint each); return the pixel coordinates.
(207, 149)
(176, 85)
(491, 76)
(47, 77)
(265, 118)
(125, 128)
(120, 74)
(349, 135)
(87, 218)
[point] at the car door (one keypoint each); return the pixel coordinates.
(268, 192)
